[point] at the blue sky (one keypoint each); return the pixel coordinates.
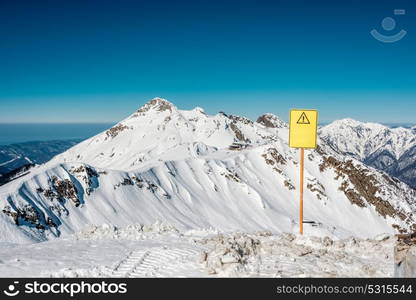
(98, 61)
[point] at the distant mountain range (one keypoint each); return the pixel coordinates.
(21, 156)
(392, 150)
(226, 172)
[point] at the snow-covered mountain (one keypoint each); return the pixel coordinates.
(392, 150)
(194, 171)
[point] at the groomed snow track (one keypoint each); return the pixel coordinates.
(157, 262)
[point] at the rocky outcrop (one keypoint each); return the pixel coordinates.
(157, 104)
(359, 185)
(114, 131)
(62, 190)
(238, 134)
(405, 256)
(271, 121)
(316, 187)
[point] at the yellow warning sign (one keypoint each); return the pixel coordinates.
(303, 127)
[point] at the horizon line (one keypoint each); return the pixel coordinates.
(115, 122)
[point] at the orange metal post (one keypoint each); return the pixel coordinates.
(302, 162)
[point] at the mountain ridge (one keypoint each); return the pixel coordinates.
(195, 171)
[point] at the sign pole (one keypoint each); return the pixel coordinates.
(303, 132)
(302, 166)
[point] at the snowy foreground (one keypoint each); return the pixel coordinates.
(162, 251)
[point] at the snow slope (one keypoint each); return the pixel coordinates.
(138, 251)
(392, 150)
(195, 171)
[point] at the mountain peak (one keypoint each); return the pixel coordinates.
(157, 104)
(199, 110)
(271, 121)
(348, 122)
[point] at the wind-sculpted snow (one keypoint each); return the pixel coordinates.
(286, 255)
(193, 171)
(154, 251)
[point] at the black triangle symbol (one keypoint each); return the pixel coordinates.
(303, 119)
